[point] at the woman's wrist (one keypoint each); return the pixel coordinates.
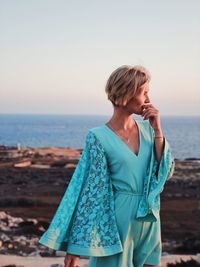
(158, 134)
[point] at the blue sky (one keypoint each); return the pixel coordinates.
(55, 56)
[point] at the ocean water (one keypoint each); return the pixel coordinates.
(183, 133)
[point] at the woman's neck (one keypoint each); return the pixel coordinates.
(121, 120)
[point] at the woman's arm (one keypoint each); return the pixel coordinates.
(153, 114)
(159, 143)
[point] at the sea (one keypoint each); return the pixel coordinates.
(69, 131)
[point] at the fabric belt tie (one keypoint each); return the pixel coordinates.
(126, 192)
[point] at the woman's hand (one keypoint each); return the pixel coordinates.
(71, 260)
(151, 113)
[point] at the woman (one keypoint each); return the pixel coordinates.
(110, 210)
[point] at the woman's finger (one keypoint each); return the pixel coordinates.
(74, 262)
(67, 261)
(146, 105)
(149, 114)
(147, 109)
(144, 113)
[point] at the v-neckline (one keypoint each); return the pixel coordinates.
(123, 143)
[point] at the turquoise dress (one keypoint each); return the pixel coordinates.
(110, 210)
(141, 240)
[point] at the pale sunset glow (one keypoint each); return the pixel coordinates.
(57, 55)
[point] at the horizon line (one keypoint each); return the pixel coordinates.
(86, 114)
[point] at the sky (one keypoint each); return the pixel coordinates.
(55, 56)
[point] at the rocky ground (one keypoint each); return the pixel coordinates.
(17, 261)
(33, 180)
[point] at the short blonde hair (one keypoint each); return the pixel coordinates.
(124, 82)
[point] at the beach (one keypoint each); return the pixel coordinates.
(33, 180)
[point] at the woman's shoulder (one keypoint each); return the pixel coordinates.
(96, 132)
(100, 135)
(97, 129)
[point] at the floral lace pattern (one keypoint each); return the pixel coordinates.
(60, 222)
(94, 221)
(85, 216)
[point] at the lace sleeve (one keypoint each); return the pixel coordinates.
(56, 235)
(85, 222)
(94, 230)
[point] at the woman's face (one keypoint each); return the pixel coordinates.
(135, 104)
